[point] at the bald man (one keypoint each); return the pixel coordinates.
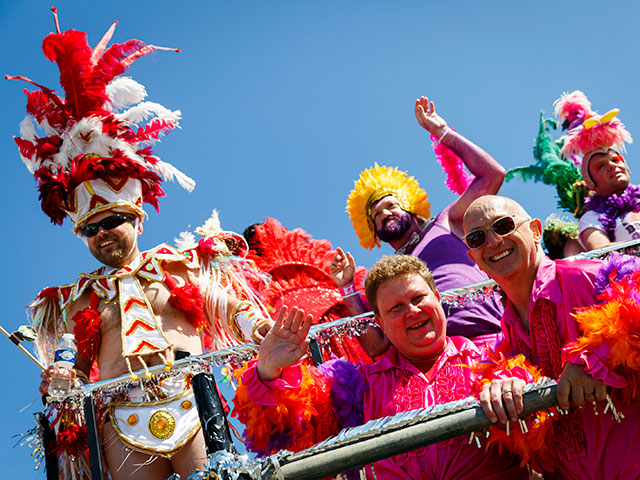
(542, 296)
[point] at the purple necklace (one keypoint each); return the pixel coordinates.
(614, 206)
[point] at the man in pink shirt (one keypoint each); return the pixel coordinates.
(288, 405)
(542, 297)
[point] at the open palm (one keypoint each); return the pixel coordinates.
(285, 343)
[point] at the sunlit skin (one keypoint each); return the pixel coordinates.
(512, 261)
(411, 315)
(609, 172)
(116, 247)
(511, 258)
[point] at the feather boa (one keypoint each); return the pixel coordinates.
(458, 179)
(301, 417)
(615, 323)
(190, 300)
(87, 332)
(614, 206)
(532, 447)
(347, 391)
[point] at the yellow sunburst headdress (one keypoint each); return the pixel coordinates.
(375, 183)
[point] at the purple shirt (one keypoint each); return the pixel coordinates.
(446, 256)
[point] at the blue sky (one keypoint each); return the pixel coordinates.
(284, 103)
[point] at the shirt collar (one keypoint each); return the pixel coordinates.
(545, 284)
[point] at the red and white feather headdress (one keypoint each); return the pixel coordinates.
(95, 150)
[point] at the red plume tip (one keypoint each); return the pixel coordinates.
(55, 18)
(178, 50)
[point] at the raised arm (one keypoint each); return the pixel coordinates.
(488, 173)
(285, 344)
(342, 270)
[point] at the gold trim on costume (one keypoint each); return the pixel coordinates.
(162, 424)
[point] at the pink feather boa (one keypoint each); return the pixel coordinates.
(458, 179)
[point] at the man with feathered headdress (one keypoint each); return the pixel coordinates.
(95, 165)
(597, 142)
(387, 205)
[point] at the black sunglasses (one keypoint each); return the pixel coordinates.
(503, 226)
(108, 223)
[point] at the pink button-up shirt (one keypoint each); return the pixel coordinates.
(589, 445)
(395, 385)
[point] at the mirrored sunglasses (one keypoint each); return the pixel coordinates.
(108, 223)
(502, 226)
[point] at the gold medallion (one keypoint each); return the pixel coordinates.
(162, 424)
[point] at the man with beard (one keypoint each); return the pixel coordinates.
(165, 279)
(387, 205)
(94, 165)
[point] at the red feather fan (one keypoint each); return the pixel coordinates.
(298, 266)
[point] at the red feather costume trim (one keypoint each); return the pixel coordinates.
(72, 440)
(295, 418)
(299, 269)
(85, 74)
(188, 299)
(87, 329)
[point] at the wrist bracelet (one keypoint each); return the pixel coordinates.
(446, 130)
(244, 318)
(350, 295)
(348, 290)
(258, 324)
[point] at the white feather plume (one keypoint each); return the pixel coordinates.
(30, 164)
(211, 226)
(124, 91)
(28, 129)
(145, 110)
(169, 172)
(185, 241)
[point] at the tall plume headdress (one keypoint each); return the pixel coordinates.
(590, 133)
(376, 183)
(95, 150)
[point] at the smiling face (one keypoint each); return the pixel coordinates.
(609, 172)
(510, 257)
(390, 221)
(410, 314)
(116, 247)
